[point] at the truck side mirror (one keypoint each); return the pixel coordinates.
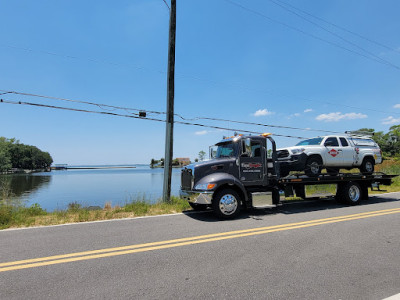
(212, 152)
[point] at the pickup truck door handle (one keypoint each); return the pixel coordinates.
(340, 150)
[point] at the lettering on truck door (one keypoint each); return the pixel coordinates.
(251, 167)
(332, 152)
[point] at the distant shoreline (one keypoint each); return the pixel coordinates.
(58, 167)
(94, 168)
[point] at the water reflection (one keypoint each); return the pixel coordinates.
(14, 187)
(55, 190)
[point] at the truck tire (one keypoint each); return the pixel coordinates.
(367, 166)
(198, 207)
(313, 166)
(226, 204)
(350, 193)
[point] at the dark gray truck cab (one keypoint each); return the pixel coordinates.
(244, 169)
(241, 168)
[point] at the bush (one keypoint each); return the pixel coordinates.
(36, 210)
(74, 207)
(137, 207)
(5, 216)
(83, 215)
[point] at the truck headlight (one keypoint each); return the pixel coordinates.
(297, 150)
(205, 186)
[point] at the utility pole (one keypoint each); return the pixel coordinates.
(169, 134)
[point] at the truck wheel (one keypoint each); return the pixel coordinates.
(367, 166)
(226, 204)
(313, 166)
(350, 193)
(198, 207)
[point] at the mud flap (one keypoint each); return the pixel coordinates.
(276, 199)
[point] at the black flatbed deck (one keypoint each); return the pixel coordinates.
(380, 178)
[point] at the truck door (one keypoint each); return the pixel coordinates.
(348, 152)
(332, 152)
(251, 162)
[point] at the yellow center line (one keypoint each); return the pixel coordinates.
(181, 239)
(101, 253)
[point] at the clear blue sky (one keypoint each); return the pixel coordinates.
(230, 63)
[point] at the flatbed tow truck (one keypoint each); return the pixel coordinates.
(244, 171)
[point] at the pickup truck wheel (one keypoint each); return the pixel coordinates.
(313, 166)
(351, 193)
(367, 166)
(198, 207)
(226, 204)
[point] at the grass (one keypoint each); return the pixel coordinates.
(13, 216)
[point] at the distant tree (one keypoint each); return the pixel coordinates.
(388, 142)
(23, 156)
(393, 137)
(152, 163)
(196, 160)
(202, 155)
(5, 159)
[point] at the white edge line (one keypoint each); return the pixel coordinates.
(394, 297)
(102, 221)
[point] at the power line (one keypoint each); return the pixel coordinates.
(341, 28)
(129, 109)
(305, 33)
(101, 106)
(336, 35)
(81, 102)
(167, 4)
(137, 117)
(267, 125)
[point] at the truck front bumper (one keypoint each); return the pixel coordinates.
(196, 196)
(294, 162)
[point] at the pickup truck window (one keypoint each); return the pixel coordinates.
(344, 142)
(314, 141)
(363, 142)
(332, 141)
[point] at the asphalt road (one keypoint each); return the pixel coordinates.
(309, 250)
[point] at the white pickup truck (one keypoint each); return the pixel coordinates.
(330, 152)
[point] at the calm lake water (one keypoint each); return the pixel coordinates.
(56, 189)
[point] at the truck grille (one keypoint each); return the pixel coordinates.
(186, 179)
(283, 153)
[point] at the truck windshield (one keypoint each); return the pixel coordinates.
(226, 150)
(314, 141)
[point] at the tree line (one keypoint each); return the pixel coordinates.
(388, 142)
(13, 154)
